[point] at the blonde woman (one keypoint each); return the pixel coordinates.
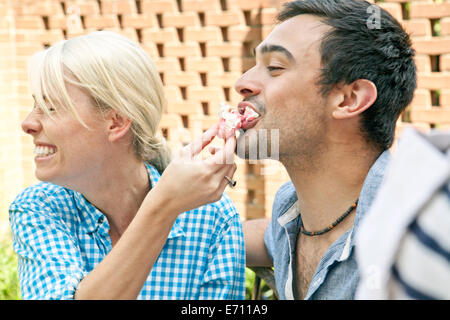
(112, 218)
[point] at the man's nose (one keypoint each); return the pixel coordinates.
(31, 124)
(248, 85)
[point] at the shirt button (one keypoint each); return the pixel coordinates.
(101, 219)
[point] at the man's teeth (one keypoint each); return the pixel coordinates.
(250, 113)
(41, 151)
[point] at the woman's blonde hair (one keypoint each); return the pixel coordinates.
(117, 73)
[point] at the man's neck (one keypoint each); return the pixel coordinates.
(329, 184)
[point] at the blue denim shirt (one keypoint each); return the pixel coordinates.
(336, 276)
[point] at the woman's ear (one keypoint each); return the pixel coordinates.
(355, 99)
(118, 125)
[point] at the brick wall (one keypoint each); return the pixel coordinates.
(200, 48)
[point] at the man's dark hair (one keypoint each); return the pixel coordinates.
(360, 47)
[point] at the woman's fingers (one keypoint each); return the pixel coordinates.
(213, 150)
(225, 155)
(229, 172)
(195, 147)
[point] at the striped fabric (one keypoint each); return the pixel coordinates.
(403, 246)
(422, 267)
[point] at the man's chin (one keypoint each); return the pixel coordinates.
(258, 144)
(247, 145)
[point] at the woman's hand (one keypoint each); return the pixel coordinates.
(189, 182)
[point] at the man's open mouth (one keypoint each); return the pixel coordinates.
(249, 115)
(230, 119)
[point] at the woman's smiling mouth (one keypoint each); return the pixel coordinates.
(43, 151)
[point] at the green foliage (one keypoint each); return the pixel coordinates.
(266, 292)
(9, 279)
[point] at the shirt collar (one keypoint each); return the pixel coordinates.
(95, 221)
(368, 192)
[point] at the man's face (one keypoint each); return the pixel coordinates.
(282, 87)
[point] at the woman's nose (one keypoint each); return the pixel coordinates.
(31, 124)
(248, 85)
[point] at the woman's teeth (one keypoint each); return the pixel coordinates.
(41, 151)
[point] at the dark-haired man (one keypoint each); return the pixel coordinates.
(334, 84)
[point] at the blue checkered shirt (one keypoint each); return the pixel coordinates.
(60, 237)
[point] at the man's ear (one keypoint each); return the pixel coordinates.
(118, 125)
(354, 98)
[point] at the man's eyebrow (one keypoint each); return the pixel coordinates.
(275, 48)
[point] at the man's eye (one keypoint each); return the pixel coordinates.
(273, 68)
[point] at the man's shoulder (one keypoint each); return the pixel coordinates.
(285, 197)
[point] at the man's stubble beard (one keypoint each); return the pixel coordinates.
(300, 147)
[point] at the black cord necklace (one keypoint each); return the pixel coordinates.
(331, 226)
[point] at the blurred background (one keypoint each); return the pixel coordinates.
(200, 48)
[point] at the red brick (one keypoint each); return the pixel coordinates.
(41, 8)
(167, 64)
(82, 8)
(172, 93)
(244, 5)
(47, 36)
(266, 30)
(224, 18)
(58, 22)
(434, 80)
(27, 49)
(445, 98)
(158, 6)
(182, 79)
(180, 19)
(445, 62)
(119, 6)
(429, 10)
(139, 21)
(200, 5)
(184, 107)
(170, 120)
(129, 33)
(241, 64)
(244, 33)
(200, 93)
(445, 26)
(421, 99)
(417, 27)
(254, 211)
(185, 49)
(159, 35)
(394, 9)
(204, 64)
(433, 115)
(29, 22)
(151, 49)
(202, 34)
(423, 63)
(103, 21)
(224, 49)
(265, 16)
(432, 46)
